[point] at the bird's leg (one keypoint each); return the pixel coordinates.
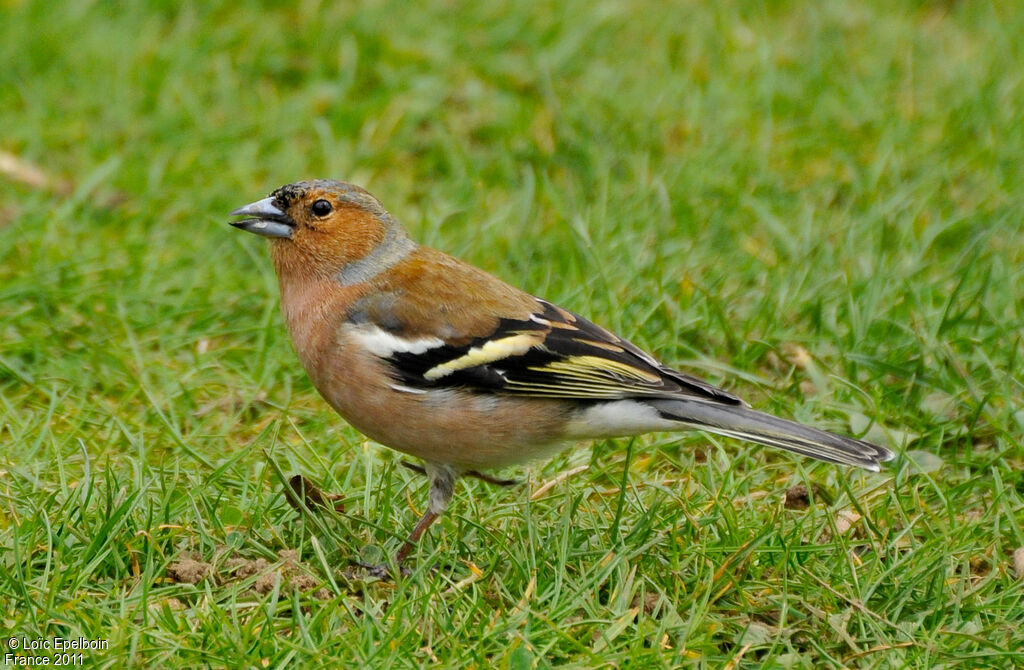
(442, 487)
(428, 518)
(475, 474)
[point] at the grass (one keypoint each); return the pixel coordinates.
(817, 205)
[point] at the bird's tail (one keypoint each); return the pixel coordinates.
(747, 424)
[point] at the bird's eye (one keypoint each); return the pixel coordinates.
(321, 208)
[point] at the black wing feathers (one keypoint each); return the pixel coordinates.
(553, 354)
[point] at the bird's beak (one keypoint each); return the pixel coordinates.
(264, 219)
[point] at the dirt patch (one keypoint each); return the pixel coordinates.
(288, 571)
(189, 570)
(800, 497)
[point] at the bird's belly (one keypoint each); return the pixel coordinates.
(448, 426)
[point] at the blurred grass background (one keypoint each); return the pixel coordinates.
(816, 204)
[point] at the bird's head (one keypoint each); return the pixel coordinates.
(324, 227)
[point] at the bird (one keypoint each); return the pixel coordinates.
(444, 362)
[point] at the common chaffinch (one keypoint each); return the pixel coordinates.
(442, 361)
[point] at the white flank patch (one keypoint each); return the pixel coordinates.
(384, 344)
(494, 350)
(618, 418)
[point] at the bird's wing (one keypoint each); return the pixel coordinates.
(508, 343)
